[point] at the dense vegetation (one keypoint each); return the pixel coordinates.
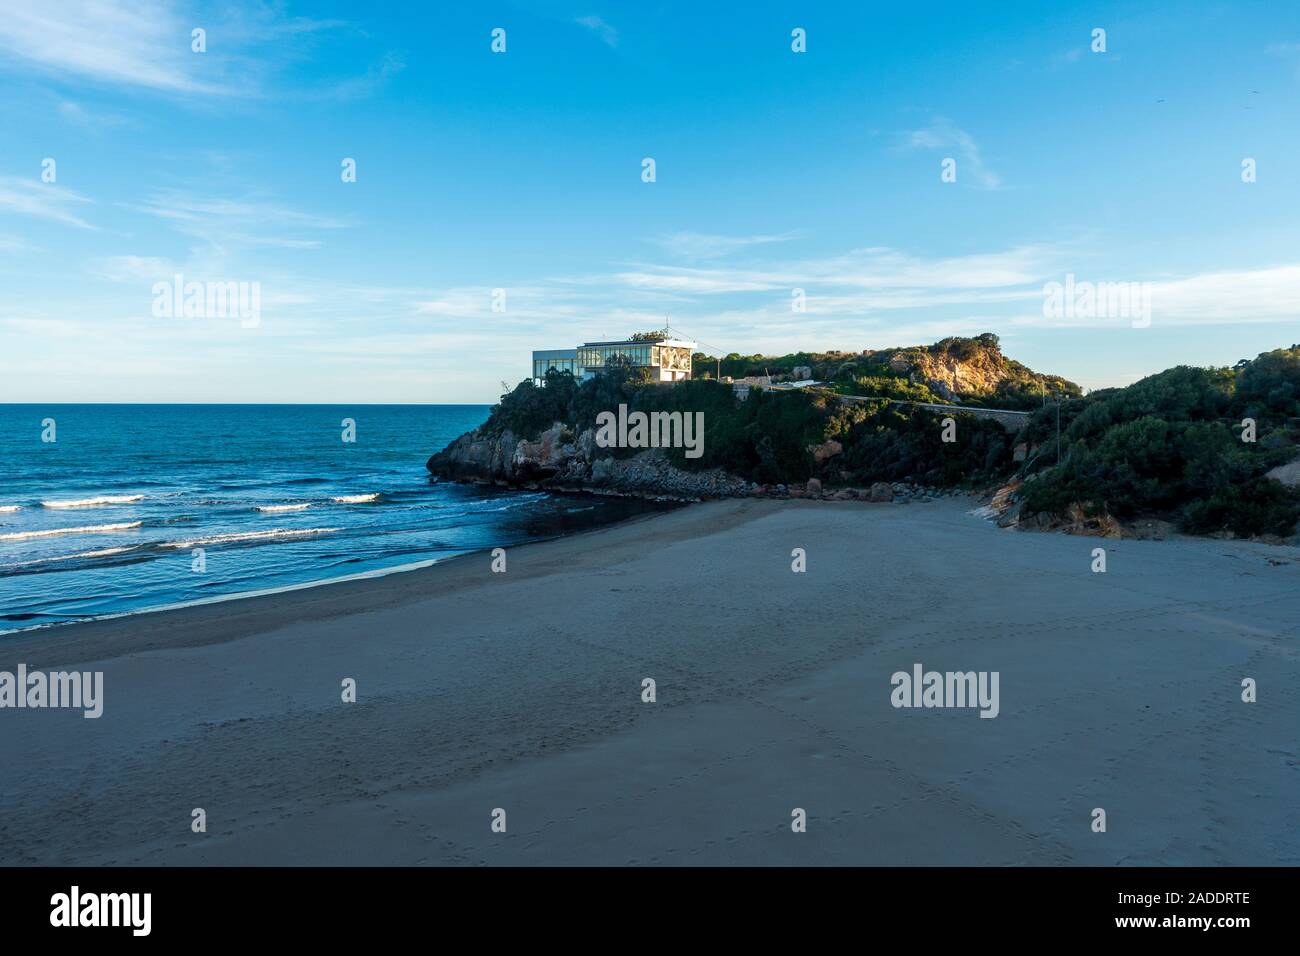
(1169, 446)
(767, 438)
(1172, 444)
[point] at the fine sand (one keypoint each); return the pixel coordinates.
(522, 691)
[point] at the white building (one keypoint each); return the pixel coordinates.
(669, 360)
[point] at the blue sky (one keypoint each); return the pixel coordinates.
(522, 171)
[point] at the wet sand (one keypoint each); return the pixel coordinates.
(523, 691)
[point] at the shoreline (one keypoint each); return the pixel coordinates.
(523, 690)
(11, 633)
(234, 596)
(58, 627)
(264, 600)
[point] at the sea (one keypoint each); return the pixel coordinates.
(115, 509)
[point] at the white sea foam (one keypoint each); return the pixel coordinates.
(239, 595)
(355, 499)
(273, 534)
(276, 508)
(6, 509)
(83, 529)
(93, 502)
(102, 553)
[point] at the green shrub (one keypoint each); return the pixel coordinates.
(1260, 507)
(891, 442)
(1171, 445)
(894, 386)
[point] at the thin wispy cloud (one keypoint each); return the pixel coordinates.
(871, 268)
(888, 298)
(522, 303)
(134, 269)
(371, 82)
(251, 50)
(598, 26)
(944, 134)
(695, 245)
(950, 293)
(247, 221)
(697, 281)
(1270, 294)
(862, 298)
(145, 43)
(270, 28)
(89, 119)
(31, 197)
(202, 263)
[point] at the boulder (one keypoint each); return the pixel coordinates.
(602, 469)
(814, 488)
(476, 457)
(827, 449)
(881, 491)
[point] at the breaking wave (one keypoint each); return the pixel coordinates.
(102, 553)
(83, 529)
(273, 534)
(93, 502)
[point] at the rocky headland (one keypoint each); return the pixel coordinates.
(1203, 451)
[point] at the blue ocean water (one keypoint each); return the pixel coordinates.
(110, 516)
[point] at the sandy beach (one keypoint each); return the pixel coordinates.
(523, 691)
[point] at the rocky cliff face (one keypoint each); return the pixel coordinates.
(950, 375)
(561, 461)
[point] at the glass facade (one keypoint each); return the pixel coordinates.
(597, 356)
(669, 361)
(542, 366)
